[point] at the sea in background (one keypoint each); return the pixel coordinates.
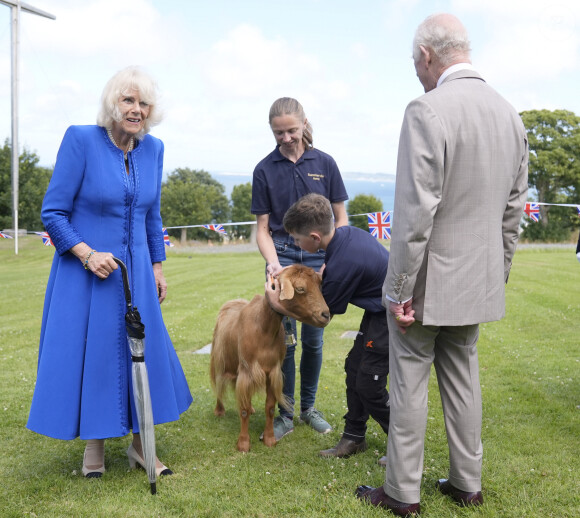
(380, 185)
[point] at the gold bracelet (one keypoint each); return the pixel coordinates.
(88, 257)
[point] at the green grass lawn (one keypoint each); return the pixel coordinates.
(530, 374)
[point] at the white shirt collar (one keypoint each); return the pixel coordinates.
(454, 68)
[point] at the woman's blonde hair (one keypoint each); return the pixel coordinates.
(289, 106)
(122, 83)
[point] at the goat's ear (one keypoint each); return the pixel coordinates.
(286, 289)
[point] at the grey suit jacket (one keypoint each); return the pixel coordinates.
(462, 179)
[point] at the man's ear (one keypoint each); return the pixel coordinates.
(426, 54)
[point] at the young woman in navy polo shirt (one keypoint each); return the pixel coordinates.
(289, 172)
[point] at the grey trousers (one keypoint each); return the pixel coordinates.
(453, 351)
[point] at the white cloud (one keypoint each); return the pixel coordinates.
(359, 51)
(522, 9)
(247, 64)
(526, 40)
(133, 31)
(334, 90)
(221, 64)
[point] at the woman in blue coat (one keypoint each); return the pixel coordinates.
(103, 201)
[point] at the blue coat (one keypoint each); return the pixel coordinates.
(83, 385)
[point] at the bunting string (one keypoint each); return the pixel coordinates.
(380, 223)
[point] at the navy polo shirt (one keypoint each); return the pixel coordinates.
(278, 183)
(356, 267)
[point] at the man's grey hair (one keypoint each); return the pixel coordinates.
(449, 42)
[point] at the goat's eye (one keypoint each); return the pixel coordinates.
(300, 290)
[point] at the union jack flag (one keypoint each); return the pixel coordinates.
(532, 210)
(46, 241)
(5, 236)
(216, 228)
(380, 224)
(166, 238)
(578, 209)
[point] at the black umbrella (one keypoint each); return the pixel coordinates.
(141, 392)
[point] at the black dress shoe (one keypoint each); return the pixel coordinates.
(378, 498)
(345, 448)
(463, 498)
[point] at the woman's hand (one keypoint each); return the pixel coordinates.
(101, 264)
(160, 281)
(274, 269)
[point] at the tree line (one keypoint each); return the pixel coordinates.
(194, 197)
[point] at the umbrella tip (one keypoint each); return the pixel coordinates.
(153, 488)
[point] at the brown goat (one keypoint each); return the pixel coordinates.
(248, 346)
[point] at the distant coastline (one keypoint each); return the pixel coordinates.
(380, 185)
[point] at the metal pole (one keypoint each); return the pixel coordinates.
(15, 7)
(15, 156)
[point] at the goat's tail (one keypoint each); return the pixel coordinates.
(212, 371)
(219, 349)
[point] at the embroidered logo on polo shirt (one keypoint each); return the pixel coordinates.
(370, 344)
(315, 176)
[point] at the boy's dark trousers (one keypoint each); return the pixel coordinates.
(367, 368)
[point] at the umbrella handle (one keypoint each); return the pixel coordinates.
(125, 281)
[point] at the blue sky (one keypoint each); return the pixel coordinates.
(221, 64)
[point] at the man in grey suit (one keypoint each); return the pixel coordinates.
(462, 178)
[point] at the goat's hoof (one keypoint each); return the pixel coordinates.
(243, 446)
(219, 412)
(269, 441)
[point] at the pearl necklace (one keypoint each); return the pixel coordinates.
(129, 149)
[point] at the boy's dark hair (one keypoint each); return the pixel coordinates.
(311, 213)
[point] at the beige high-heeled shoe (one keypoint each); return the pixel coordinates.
(95, 451)
(135, 458)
